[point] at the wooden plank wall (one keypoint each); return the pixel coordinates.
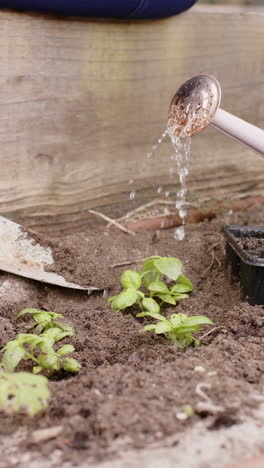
(83, 101)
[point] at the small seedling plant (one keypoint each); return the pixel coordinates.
(44, 320)
(39, 347)
(156, 292)
(178, 328)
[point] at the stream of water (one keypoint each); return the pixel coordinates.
(179, 168)
(182, 151)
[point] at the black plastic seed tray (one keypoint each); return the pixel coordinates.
(245, 254)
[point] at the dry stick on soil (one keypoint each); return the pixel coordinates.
(210, 332)
(112, 221)
(207, 404)
(127, 262)
(41, 435)
(199, 390)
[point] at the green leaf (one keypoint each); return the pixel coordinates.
(14, 352)
(181, 329)
(197, 320)
(169, 266)
(151, 305)
(153, 315)
(188, 410)
(71, 365)
(148, 272)
(166, 298)
(26, 338)
(176, 319)
(158, 286)
(56, 334)
(66, 349)
(184, 341)
(180, 296)
(184, 280)
(37, 311)
(163, 327)
(48, 361)
(180, 288)
(39, 328)
(123, 300)
(46, 344)
(152, 256)
(36, 369)
(35, 342)
(28, 311)
(140, 294)
(130, 279)
(23, 392)
(151, 327)
(42, 317)
(65, 327)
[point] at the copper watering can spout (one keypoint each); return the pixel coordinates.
(196, 105)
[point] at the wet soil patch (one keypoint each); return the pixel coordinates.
(133, 386)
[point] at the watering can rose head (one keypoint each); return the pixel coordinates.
(193, 105)
(196, 105)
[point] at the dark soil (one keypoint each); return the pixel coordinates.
(252, 245)
(133, 385)
(79, 259)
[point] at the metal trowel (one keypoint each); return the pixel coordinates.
(22, 255)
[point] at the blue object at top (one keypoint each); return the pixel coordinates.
(125, 9)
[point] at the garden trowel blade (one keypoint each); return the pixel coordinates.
(22, 255)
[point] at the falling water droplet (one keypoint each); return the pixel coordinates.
(179, 233)
(132, 195)
(106, 293)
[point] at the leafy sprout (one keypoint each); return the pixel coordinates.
(39, 348)
(156, 292)
(45, 320)
(178, 328)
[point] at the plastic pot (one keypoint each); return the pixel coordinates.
(245, 254)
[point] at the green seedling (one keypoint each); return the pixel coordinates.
(45, 320)
(23, 392)
(39, 349)
(178, 328)
(156, 292)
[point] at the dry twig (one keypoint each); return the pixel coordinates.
(199, 390)
(127, 262)
(211, 331)
(112, 221)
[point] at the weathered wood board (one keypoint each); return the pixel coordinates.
(83, 101)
